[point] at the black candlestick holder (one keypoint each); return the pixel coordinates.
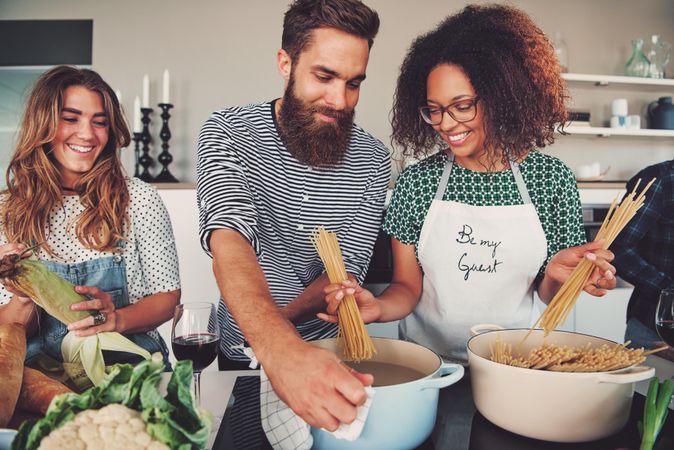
(165, 157)
(145, 159)
(137, 137)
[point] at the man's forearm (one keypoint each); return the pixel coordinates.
(310, 302)
(246, 294)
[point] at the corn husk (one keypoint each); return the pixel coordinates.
(55, 295)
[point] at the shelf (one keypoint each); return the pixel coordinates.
(605, 132)
(606, 80)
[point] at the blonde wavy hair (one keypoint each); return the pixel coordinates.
(34, 183)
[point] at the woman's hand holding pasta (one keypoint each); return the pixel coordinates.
(368, 305)
(602, 277)
(100, 303)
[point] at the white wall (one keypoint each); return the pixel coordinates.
(196, 274)
(222, 52)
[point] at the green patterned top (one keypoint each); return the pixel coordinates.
(551, 185)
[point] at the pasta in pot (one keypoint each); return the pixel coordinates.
(571, 359)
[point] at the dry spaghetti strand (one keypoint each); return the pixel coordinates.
(352, 332)
(616, 219)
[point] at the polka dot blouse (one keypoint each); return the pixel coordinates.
(150, 254)
(550, 183)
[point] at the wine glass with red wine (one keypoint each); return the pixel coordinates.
(664, 316)
(195, 336)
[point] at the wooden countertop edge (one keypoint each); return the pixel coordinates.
(601, 184)
(175, 185)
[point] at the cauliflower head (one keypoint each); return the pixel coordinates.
(113, 427)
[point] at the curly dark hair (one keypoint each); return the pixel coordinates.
(304, 16)
(512, 67)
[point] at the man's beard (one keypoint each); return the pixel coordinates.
(308, 139)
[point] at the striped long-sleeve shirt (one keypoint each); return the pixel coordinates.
(249, 182)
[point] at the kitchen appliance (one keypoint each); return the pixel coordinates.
(551, 406)
(661, 114)
(402, 416)
(593, 216)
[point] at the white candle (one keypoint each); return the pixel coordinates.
(118, 94)
(146, 91)
(137, 128)
(165, 96)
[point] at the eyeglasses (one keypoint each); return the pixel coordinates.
(461, 111)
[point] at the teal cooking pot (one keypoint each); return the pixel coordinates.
(402, 415)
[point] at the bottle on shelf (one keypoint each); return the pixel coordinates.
(658, 55)
(562, 51)
(638, 65)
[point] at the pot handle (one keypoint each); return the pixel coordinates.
(484, 327)
(447, 374)
(631, 375)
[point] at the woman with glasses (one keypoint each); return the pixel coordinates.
(480, 224)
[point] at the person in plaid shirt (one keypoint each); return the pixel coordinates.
(644, 252)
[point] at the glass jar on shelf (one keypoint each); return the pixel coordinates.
(638, 65)
(658, 56)
(562, 52)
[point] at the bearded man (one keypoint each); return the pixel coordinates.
(268, 174)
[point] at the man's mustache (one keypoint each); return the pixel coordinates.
(331, 112)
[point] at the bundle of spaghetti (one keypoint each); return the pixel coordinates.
(352, 332)
(571, 359)
(616, 219)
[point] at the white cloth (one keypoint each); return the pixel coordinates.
(479, 265)
(287, 431)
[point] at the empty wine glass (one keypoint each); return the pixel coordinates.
(195, 336)
(664, 316)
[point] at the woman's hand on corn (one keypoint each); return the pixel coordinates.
(100, 302)
(20, 249)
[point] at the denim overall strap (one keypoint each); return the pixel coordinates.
(108, 274)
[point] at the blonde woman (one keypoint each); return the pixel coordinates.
(108, 234)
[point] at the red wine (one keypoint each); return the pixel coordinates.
(666, 331)
(201, 348)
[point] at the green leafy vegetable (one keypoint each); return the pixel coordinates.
(173, 420)
(656, 409)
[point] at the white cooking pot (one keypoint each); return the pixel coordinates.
(551, 406)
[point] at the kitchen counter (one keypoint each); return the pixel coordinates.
(235, 397)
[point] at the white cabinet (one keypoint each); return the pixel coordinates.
(603, 316)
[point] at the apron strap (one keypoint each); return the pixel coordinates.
(514, 167)
(442, 185)
(524, 193)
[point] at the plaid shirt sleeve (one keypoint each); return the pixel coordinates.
(631, 264)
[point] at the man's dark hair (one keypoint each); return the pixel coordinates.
(304, 16)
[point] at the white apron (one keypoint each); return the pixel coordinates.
(479, 265)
